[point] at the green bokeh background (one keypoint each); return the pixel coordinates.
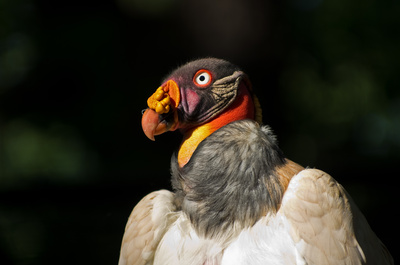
(75, 75)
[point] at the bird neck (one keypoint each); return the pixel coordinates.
(241, 108)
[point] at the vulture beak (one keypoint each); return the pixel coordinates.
(162, 115)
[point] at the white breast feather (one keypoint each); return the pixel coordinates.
(181, 245)
(267, 242)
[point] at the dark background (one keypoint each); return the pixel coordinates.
(75, 75)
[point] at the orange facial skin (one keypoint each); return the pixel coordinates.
(167, 98)
(241, 108)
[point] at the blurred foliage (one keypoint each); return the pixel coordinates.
(341, 80)
(57, 151)
(75, 75)
(17, 52)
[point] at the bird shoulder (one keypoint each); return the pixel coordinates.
(147, 224)
(287, 171)
(325, 224)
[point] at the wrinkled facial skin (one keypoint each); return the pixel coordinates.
(197, 100)
(195, 94)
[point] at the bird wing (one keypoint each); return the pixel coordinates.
(148, 222)
(326, 225)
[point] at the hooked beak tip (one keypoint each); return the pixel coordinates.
(150, 122)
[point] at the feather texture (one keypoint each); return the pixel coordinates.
(147, 224)
(239, 201)
(225, 191)
(326, 225)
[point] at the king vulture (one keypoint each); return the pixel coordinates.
(236, 198)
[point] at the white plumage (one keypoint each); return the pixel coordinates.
(313, 226)
(237, 200)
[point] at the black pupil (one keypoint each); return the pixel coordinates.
(202, 78)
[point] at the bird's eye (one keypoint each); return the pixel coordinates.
(202, 78)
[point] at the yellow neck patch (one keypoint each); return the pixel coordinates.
(190, 142)
(245, 107)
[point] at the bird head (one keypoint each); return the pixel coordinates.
(198, 98)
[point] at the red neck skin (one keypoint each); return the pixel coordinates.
(242, 108)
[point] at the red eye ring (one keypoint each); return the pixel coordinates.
(202, 78)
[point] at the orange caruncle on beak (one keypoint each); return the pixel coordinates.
(166, 98)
